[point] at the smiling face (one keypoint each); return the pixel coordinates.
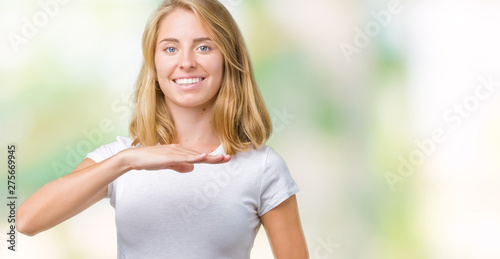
(189, 65)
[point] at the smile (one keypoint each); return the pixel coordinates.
(188, 81)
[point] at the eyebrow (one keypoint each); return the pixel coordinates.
(195, 40)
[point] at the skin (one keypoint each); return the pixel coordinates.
(284, 231)
(179, 53)
(189, 53)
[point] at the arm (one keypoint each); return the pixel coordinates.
(284, 231)
(69, 195)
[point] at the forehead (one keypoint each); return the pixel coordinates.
(183, 24)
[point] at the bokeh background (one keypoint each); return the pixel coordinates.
(387, 113)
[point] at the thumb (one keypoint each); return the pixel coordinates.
(182, 167)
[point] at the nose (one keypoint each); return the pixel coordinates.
(187, 60)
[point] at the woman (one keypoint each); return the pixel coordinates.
(195, 179)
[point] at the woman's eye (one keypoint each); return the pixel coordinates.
(170, 49)
(204, 48)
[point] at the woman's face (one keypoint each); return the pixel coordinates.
(189, 65)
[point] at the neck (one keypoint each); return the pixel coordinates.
(194, 127)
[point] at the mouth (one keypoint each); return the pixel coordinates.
(188, 81)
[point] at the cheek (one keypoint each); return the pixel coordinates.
(158, 67)
(163, 66)
(217, 67)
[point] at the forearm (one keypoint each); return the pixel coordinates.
(69, 195)
(64, 197)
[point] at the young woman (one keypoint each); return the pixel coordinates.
(195, 179)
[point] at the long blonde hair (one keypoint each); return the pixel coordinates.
(239, 115)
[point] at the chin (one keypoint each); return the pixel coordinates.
(192, 103)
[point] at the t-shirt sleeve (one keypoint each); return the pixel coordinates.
(106, 151)
(277, 184)
(102, 153)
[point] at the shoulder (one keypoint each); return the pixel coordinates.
(105, 151)
(274, 161)
(124, 141)
(276, 182)
(265, 155)
(120, 143)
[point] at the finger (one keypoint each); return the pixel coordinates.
(216, 159)
(225, 159)
(182, 167)
(193, 158)
(183, 149)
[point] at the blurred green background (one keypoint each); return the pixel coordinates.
(387, 113)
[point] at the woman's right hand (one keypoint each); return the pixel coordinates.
(171, 156)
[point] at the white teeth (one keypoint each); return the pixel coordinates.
(188, 81)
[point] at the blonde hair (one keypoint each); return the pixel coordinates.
(239, 115)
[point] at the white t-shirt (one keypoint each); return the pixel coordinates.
(212, 212)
